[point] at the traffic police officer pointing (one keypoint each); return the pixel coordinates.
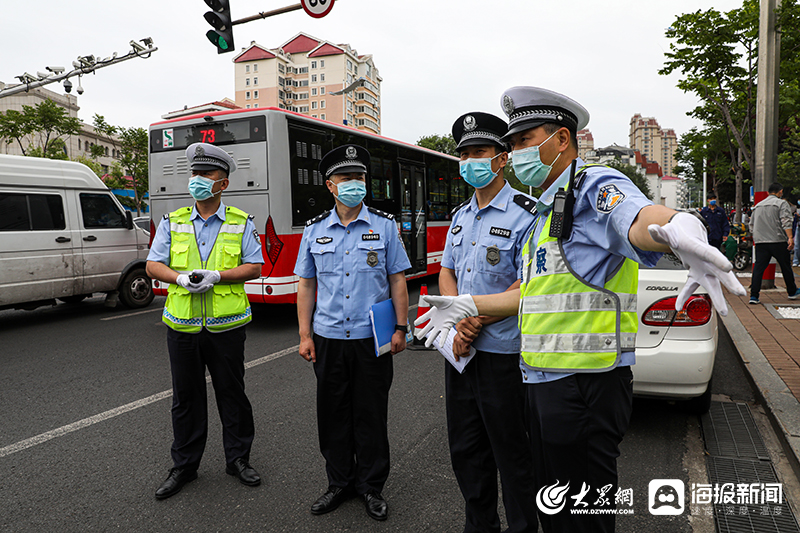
(351, 258)
(485, 404)
(578, 303)
(206, 253)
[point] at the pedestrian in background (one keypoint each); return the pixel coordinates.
(771, 225)
(486, 403)
(718, 225)
(206, 317)
(351, 258)
(796, 233)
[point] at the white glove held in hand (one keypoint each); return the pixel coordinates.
(445, 312)
(183, 281)
(707, 266)
(210, 276)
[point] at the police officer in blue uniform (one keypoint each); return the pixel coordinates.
(485, 404)
(207, 341)
(578, 418)
(718, 225)
(351, 258)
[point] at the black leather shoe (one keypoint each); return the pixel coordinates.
(375, 505)
(329, 501)
(246, 473)
(177, 478)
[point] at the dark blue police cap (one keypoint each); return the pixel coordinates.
(479, 129)
(344, 160)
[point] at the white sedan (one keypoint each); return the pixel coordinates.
(675, 350)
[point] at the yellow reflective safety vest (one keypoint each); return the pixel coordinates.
(225, 306)
(567, 324)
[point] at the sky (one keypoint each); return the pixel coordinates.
(438, 59)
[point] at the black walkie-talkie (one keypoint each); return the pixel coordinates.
(563, 205)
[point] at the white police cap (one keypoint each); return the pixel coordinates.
(530, 107)
(204, 156)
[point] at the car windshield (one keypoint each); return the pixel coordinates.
(667, 262)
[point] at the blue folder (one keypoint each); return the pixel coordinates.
(383, 319)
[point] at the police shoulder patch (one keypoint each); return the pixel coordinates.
(609, 198)
(380, 213)
(526, 202)
(317, 218)
(255, 234)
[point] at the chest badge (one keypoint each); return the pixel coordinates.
(372, 259)
(324, 240)
(370, 236)
(455, 229)
(493, 255)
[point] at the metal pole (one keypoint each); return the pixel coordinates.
(265, 14)
(766, 152)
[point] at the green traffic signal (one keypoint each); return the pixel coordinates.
(220, 19)
(218, 41)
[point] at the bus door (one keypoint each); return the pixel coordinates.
(413, 222)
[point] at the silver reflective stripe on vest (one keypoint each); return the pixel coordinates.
(577, 302)
(554, 261)
(232, 228)
(181, 228)
(577, 343)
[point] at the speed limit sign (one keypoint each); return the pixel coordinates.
(317, 8)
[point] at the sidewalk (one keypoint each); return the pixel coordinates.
(769, 346)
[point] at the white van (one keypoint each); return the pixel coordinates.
(63, 235)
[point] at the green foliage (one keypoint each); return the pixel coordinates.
(632, 173)
(789, 160)
(440, 143)
(96, 167)
(133, 148)
(57, 149)
(36, 127)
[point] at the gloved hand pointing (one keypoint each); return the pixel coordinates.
(707, 266)
(445, 312)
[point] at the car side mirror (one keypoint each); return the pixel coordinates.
(129, 219)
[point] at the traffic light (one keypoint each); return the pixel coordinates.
(220, 18)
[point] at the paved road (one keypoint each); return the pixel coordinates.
(93, 385)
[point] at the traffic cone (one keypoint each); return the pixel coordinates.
(418, 344)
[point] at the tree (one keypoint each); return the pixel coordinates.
(133, 148)
(633, 174)
(39, 126)
(440, 143)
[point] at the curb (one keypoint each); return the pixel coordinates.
(780, 404)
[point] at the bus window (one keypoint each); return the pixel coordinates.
(438, 202)
(310, 197)
(459, 190)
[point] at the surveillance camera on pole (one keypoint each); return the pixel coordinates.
(55, 70)
(67, 86)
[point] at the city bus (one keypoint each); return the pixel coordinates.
(277, 154)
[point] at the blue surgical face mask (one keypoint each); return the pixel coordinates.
(478, 172)
(712, 202)
(528, 165)
(200, 188)
(351, 193)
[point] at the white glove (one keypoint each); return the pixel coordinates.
(183, 281)
(210, 277)
(687, 237)
(445, 312)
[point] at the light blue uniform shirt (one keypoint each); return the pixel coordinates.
(205, 232)
(606, 205)
(352, 266)
(479, 237)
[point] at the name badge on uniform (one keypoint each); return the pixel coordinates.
(372, 259)
(370, 236)
(493, 255)
(500, 232)
(324, 240)
(455, 229)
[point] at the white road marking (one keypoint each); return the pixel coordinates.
(132, 314)
(86, 422)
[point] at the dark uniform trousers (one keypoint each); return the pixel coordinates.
(223, 354)
(576, 425)
(352, 409)
(487, 433)
(764, 252)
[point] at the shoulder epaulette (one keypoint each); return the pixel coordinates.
(584, 172)
(317, 218)
(526, 202)
(166, 216)
(459, 206)
(380, 213)
(251, 217)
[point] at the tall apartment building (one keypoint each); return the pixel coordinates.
(585, 143)
(76, 145)
(657, 144)
(300, 76)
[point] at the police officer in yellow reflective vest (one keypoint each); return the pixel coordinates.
(577, 304)
(206, 253)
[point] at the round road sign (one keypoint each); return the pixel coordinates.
(317, 8)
